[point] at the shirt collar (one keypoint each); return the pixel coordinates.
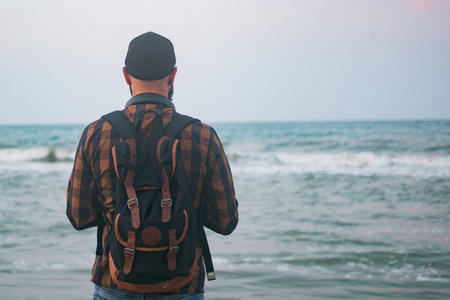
(150, 98)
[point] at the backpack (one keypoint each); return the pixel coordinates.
(155, 227)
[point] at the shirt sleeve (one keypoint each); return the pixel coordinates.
(83, 209)
(220, 212)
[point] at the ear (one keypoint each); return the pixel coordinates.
(172, 76)
(126, 75)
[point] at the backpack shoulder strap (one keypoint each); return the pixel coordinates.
(121, 124)
(126, 130)
(178, 123)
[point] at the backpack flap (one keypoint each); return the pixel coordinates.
(166, 155)
(136, 172)
(126, 160)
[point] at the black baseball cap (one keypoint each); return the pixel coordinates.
(150, 57)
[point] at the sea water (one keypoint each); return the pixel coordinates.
(327, 210)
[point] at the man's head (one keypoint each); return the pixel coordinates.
(150, 64)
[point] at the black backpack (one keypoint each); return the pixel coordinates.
(155, 227)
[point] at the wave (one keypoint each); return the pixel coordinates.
(375, 145)
(257, 161)
(439, 148)
(3, 145)
(43, 154)
(352, 163)
(363, 159)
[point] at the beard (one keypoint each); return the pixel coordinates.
(170, 93)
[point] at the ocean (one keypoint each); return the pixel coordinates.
(328, 210)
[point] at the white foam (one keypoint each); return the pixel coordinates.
(359, 163)
(14, 155)
(363, 159)
(427, 278)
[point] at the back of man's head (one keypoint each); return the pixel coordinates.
(150, 57)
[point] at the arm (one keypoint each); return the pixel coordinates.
(220, 212)
(83, 209)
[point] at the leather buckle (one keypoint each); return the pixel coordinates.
(166, 203)
(132, 203)
(129, 252)
(173, 251)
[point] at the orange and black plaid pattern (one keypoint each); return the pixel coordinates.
(91, 189)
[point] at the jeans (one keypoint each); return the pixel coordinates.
(102, 293)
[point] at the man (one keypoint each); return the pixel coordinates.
(150, 73)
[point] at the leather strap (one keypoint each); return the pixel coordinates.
(133, 205)
(173, 250)
(166, 202)
(129, 252)
(132, 202)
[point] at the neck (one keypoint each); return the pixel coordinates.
(137, 91)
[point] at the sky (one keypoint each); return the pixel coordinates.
(238, 61)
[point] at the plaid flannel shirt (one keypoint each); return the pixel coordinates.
(91, 189)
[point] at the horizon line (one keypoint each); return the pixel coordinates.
(261, 121)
